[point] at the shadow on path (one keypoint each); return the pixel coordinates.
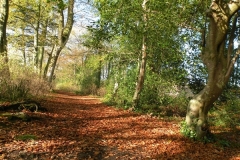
(80, 127)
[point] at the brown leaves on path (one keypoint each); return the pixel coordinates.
(80, 127)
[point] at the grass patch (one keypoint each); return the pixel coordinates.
(26, 137)
(66, 86)
(225, 116)
(16, 116)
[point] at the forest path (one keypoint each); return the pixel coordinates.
(81, 127)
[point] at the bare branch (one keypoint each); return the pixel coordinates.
(231, 65)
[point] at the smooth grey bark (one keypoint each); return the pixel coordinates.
(41, 56)
(63, 35)
(142, 69)
(36, 36)
(57, 52)
(218, 61)
(36, 46)
(22, 44)
(50, 56)
(42, 47)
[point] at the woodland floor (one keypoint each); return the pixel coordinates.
(81, 128)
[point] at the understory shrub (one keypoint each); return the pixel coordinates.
(120, 88)
(186, 131)
(162, 97)
(14, 90)
(67, 86)
(226, 114)
(22, 84)
(159, 96)
(89, 76)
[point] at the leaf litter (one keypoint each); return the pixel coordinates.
(81, 127)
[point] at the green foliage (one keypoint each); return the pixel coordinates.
(66, 85)
(122, 96)
(67, 77)
(16, 116)
(89, 75)
(226, 114)
(26, 137)
(222, 118)
(160, 97)
(60, 3)
(157, 90)
(186, 131)
(164, 60)
(223, 143)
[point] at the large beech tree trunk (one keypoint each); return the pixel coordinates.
(219, 61)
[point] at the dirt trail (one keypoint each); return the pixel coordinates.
(80, 127)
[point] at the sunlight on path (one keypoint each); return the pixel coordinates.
(82, 128)
(74, 96)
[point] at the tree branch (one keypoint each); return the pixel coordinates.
(231, 65)
(231, 39)
(68, 28)
(233, 6)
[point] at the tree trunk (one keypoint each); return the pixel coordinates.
(50, 56)
(219, 64)
(63, 35)
(22, 43)
(4, 9)
(36, 38)
(42, 47)
(141, 75)
(99, 74)
(54, 64)
(41, 56)
(36, 47)
(142, 69)
(24, 56)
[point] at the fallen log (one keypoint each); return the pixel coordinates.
(30, 105)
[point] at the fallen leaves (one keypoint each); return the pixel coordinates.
(77, 127)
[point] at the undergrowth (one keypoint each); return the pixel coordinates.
(26, 137)
(186, 131)
(23, 83)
